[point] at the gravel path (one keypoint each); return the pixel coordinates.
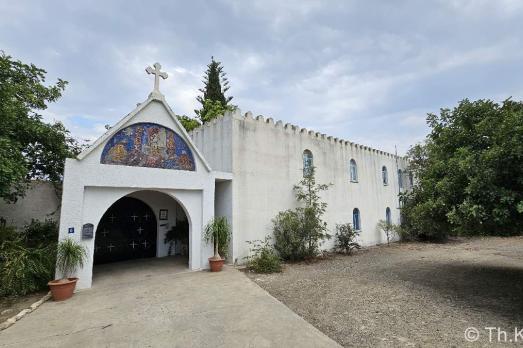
(409, 294)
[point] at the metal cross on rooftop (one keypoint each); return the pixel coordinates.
(157, 74)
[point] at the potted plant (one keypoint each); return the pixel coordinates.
(177, 234)
(218, 232)
(70, 256)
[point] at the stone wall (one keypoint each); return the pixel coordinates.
(40, 203)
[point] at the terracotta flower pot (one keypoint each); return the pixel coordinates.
(216, 264)
(62, 289)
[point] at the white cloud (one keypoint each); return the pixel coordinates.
(366, 72)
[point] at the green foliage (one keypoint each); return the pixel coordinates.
(29, 147)
(218, 232)
(27, 258)
(177, 234)
(188, 123)
(388, 228)
(40, 234)
(212, 109)
(214, 102)
(469, 173)
(8, 233)
(297, 233)
(345, 238)
(25, 270)
(70, 256)
(262, 257)
(289, 241)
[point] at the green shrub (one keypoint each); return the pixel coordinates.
(298, 232)
(27, 257)
(388, 228)
(40, 234)
(405, 234)
(262, 257)
(289, 241)
(8, 233)
(345, 238)
(23, 269)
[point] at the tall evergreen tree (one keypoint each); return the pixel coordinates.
(214, 102)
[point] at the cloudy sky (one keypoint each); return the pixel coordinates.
(366, 71)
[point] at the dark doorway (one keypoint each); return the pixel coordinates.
(126, 231)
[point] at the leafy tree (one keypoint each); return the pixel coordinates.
(469, 173)
(214, 102)
(298, 233)
(308, 192)
(29, 147)
(188, 123)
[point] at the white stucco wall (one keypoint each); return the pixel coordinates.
(267, 163)
(90, 188)
(223, 203)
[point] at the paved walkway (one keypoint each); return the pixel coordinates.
(162, 306)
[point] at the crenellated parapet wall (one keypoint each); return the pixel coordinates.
(266, 160)
(289, 128)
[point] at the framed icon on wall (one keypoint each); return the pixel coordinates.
(163, 214)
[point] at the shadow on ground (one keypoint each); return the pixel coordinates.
(481, 287)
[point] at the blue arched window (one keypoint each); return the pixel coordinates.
(356, 224)
(388, 216)
(353, 171)
(307, 162)
(400, 178)
(384, 175)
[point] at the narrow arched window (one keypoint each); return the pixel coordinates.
(384, 175)
(356, 224)
(307, 162)
(411, 179)
(400, 178)
(353, 171)
(388, 216)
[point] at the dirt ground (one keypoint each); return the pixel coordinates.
(10, 306)
(410, 294)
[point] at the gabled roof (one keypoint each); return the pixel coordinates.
(152, 97)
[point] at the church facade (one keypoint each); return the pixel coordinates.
(146, 179)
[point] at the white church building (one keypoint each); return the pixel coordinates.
(146, 175)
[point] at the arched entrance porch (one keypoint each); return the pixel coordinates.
(137, 230)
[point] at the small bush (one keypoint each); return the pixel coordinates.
(262, 257)
(405, 235)
(288, 239)
(389, 229)
(40, 234)
(27, 257)
(25, 270)
(8, 233)
(345, 238)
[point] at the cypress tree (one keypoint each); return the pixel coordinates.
(216, 85)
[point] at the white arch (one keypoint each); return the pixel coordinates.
(97, 200)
